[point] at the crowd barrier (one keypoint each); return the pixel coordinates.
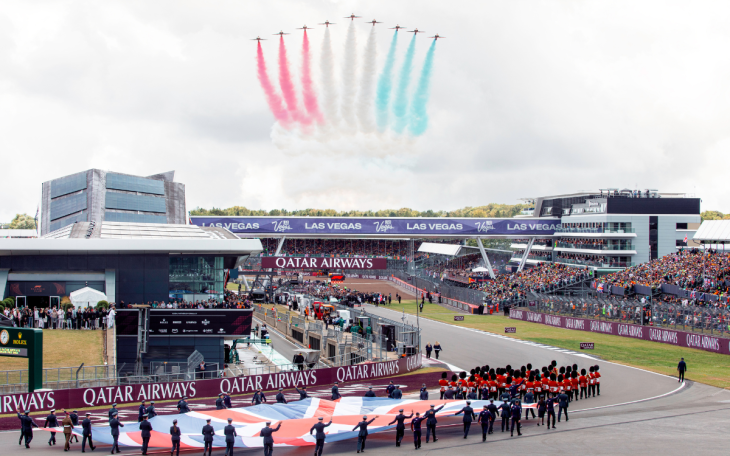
(77, 398)
(662, 335)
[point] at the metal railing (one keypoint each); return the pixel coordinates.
(595, 230)
(568, 245)
(57, 377)
(599, 264)
(700, 319)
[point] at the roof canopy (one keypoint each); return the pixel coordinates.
(713, 231)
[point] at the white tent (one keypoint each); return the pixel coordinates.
(480, 269)
(86, 297)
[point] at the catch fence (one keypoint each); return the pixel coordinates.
(699, 319)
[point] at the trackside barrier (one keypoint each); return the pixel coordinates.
(460, 305)
(104, 396)
(661, 335)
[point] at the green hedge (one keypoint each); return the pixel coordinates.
(102, 304)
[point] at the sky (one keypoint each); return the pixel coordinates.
(528, 98)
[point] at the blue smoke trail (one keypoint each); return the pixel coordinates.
(385, 84)
(418, 121)
(400, 107)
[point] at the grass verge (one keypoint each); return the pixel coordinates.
(704, 367)
(64, 348)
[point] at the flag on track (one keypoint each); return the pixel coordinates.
(296, 418)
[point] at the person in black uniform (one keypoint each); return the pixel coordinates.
(335, 392)
(400, 428)
(114, 425)
(227, 400)
(416, 428)
(51, 421)
(151, 413)
(280, 398)
(390, 389)
(505, 412)
(208, 433)
(219, 405)
(75, 421)
(174, 438)
(268, 439)
(541, 408)
(430, 417)
(320, 435)
(562, 405)
(472, 395)
(230, 433)
(681, 369)
(302, 392)
(113, 411)
(516, 418)
(493, 410)
(551, 410)
(424, 392)
(141, 411)
(26, 424)
(258, 397)
(370, 392)
(468, 417)
(363, 434)
(448, 395)
(397, 393)
(485, 418)
(182, 405)
(146, 428)
(86, 434)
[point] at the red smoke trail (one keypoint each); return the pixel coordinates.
(272, 97)
(310, 97)
(287, 86)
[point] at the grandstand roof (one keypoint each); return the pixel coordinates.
(713, 231)
(447, 249)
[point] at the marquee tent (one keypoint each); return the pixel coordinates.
(86, 297)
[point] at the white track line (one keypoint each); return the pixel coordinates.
(632, 402)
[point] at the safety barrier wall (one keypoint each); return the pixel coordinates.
(70, 399)
(662, 335)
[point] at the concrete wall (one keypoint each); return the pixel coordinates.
(669, 235)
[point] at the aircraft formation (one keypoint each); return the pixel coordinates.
(352, 17)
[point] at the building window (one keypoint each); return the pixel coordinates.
(680, 243)
(654, 237)
(196, 278)
(681, 226)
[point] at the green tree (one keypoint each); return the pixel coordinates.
(22, 222)
(714, 215)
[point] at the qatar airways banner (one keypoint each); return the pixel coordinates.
(382, 226)
(323, 263)
(125, 394)
(663, 335)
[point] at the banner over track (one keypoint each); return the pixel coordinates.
(390, 227)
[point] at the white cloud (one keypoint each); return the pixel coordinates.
(528, 99)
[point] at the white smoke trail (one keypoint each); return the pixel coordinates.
(349, 69)
(367, 87)
(329, 91)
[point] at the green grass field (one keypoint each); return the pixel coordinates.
(704, 367)
(62, 348)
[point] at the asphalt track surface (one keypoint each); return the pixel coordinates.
(638, 412)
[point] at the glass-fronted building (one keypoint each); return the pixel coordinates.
(130, 263)
(96, 196)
